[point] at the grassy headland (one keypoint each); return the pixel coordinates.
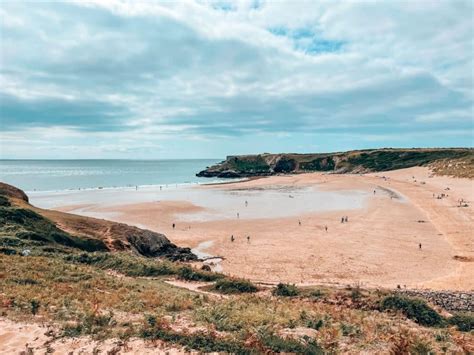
(359, 161)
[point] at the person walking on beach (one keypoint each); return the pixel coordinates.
(174, 225)
(246, 203)
(342, 219)
(326, 228)
(238, 215)
(232, 238)
(248, 239)
(374, 192)
(299, 222)
(346, 219)
(419, 246)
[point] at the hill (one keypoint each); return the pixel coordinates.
(359, 161)
(22, 224)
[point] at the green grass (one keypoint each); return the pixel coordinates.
(234, 286)
(253, 164)
(413, 308)
(383, 160)
(285, 290)
(463, 321)
(30, 228)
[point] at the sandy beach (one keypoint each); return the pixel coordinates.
(286, 216)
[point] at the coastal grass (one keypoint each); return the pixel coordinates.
(82, 297)
(285, 290)
(413, 308)
(234, 286)
(30, 228)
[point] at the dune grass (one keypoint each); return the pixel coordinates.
(80, 295)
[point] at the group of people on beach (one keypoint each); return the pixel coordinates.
(344, 219)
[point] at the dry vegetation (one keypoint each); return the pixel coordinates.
(462, 167)
(81, 296)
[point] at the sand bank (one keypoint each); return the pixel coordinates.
(378, 246)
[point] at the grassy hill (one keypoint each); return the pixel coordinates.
(24, 225)
(360, 161)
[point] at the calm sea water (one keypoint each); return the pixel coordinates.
(52, 175)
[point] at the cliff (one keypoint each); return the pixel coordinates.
(23, 225)
(358, 161)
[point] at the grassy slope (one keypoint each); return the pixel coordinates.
(78, 294)
(352, 161)
(24, 225)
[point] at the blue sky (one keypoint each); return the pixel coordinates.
(204, 79)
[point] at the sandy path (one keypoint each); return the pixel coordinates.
(35, 338)
(379, 246)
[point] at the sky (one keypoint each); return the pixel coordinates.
(206, 79)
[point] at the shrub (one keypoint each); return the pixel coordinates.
(288, 345)
(285, 290)
(197, 341)
(463, 321)
(34, 306)
(415, 309)
(4, 202)
(125, 264)
(229, 286)
(189, 274)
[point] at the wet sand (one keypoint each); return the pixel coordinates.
(378, 246)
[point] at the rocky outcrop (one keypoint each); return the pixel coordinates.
(360, 161)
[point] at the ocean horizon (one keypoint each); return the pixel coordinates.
(73, 174)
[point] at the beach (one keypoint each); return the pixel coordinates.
(398, 232)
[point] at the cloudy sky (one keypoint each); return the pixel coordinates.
(203, 79)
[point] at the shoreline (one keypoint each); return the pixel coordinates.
(378, 247)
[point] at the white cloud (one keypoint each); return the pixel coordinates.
(202, 69)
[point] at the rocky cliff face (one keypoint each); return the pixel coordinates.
(360, 161)
(24, 225)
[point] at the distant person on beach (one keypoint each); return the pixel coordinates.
(238, 215)
(136, 187)
(342, 219)
(246, 203)
(232, 238)
(299, 222)
(248, 239)
(374, 192)
(174, 225)
(326, 228)
(419, 246)
(346, 219)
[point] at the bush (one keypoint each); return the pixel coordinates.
(463, 321)
(229, 286)
(288, 345)
(126, 264)
(189, 274)
(415, 309)
(285, 290)
(4, 202)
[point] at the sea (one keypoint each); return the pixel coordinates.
(57, 175)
